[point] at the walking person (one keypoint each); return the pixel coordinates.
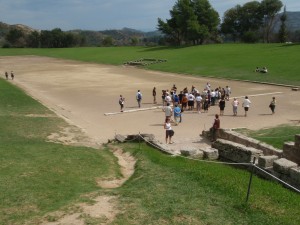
(121, 102)
(169, 131)
(235, 104)
(12, 75)
(215, 127)
(246, 104)
(154, 95)
(6, 75)
(222, 104)
(139, 97)
(272, 105)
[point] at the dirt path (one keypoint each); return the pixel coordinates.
(104, 208)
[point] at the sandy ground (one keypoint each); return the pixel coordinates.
(83, 92)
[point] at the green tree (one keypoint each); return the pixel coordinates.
(192, 21)
(107, 41)
(283, 33)
(16, 38)
(33, 40)
(270, 9)
(232, 23)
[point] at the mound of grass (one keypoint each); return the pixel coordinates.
(275, 136)
(231, 61)
(174, 190)
(37, 176)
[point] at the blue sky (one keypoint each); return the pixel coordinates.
(100, 14)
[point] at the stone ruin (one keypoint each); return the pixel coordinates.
(235, 147)
(284, 164)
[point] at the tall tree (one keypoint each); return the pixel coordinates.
(16, 38)
(192, 21)
(270, 9)
(283, 34)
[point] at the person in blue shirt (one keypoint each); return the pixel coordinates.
(177, 114)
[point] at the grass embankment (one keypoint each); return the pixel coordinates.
(37, 176)
(275, 136)
(232, 61)
(169, 190)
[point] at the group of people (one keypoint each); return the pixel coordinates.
(175, 104)
(261, 70)
(12, 75)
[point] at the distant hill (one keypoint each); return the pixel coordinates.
(292, 22)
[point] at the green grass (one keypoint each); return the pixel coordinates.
(174, 190)
(232, 61)
(36, 176)
(275, 136)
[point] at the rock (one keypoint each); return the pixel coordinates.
(283, 166)
(295, 89)
(120, 138)
(148, 137)
(266, 161)
(211, 153)
(295, 175)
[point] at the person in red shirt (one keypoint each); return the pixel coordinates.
(214, 129)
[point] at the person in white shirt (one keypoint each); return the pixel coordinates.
(198, 102)
(168, 111)
(191, 99)
(246, 104)
(235, 104)
(168, 98)
(169, 131)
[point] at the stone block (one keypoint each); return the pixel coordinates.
(283, 166)
(148, 137)
(210, 153)
(236, 152)
(198, 155)
(291, 152)
(266, 161)
(295, 175)
(120, 138)
(295, 89)
(188, 151)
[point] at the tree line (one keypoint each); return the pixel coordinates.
(192, 22)
(196, 22)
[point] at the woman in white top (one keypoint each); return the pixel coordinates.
(235, 104)
(169, 131)
(246, 104)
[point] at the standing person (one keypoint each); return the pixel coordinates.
(177, 114)
(12, 75)
(154, 95)
(191, 99)
(169, 131)
(6, 75)
(246, 104)
(235, 104)
(272, 105)
(184, 102)
(168, 111)
(206, 105)
(227, 92)
(121, 102)
(139, 97)
(215, 127)
(198, 102)
(222, 104)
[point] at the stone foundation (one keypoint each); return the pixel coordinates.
(291, 150)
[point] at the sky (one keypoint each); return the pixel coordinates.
(101, 14)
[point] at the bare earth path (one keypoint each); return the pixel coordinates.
(82, 92)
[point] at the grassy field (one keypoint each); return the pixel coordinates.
(37, 176)
(168, 190)
(233, 61)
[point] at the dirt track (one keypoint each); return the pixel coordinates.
(83, 92)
